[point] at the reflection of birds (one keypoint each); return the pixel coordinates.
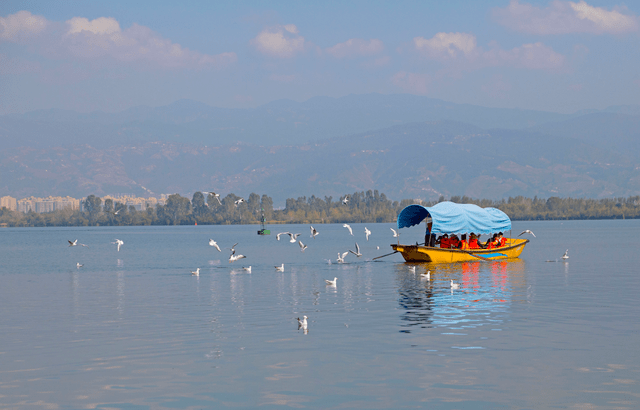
(118, 243)
(196, 273)
(454, 285)
(349, 228)
(367, 232)
(345, 200)
(526, 231)
(426, 276)
(235, 257)
(214, 244)
(79, 265)
(314, 232)
(247, 269)
(331, 282)
(75, 243)
(238, 202)
(566, 254)
(302, 246)
(357, 252)
(412, 269)
(342, 256)
(280, 268)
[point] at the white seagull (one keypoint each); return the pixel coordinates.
(331, 282)
(281, 233)
(214, 244)
(349, 228)
(367, 232)
(196, 273)
(357, 252)
(233, 249)
(75, 243)
(235, 257)
(247, 269)
(293, 237)
(302, 323)
(238, 202)
(313, 232)
(302, 246)
(342, 256)
(216, 196)
(79, 265)
(454, 285)
(346, 199)
(396, 234)
(526, 231)
(566, 254)
(280, 268)
(118, 243)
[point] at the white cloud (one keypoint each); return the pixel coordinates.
(562, 17)
(20, 26)
(356, 47)
(279, 41)
(138, 45)
(446, 45)
(101, 25)
(413, 83)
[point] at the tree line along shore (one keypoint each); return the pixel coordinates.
(365, 206)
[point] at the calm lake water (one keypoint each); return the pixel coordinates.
(135, 330)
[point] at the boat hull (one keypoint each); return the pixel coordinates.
(419, 253)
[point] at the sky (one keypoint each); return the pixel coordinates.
(559, 56)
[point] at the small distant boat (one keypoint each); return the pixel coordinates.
(451, 218)
(263, 230)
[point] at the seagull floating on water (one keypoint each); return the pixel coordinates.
(196, 273)
(314, 232)
(349, 228)
(302, 323)
(342, 256)
(454, 285)
(79, 265)
(214, 244)
(357, 252)
(367, 232)
(331, 282)
(75, 243)
(280, 268)
(247, 269)
(527, 231)
(566, 254)
(118, 243)
(302, 246)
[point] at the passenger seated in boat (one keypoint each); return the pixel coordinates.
(444, 241)
(492, 242)
(454, 241)
(463, 242)
(473, 241)
(501, 239)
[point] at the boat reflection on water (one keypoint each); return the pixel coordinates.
(486, 291)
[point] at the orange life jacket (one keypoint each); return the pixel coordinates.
(473, 243)
(463, 245)
(445, 243)
(503, 241)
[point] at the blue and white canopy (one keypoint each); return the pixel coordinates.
(449, 217)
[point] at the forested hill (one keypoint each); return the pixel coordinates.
(369, 206)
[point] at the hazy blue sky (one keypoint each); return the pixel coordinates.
(111, 55)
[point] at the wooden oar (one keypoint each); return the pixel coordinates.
(378, 257)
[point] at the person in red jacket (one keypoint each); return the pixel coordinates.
(445, 241)
(453, 241)
(502, 239)
(463, 242)
(473, 241)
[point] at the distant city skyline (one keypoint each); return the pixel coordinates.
(558, 56)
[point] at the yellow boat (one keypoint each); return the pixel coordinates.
(452, 218)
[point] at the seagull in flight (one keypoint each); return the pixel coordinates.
(293, 237)
(395, 233)
(75, 243)
(196, 272)
(280, 268)
(238, 202)
(281, 233)
(331, 282)
(118, 243)
(235, 257)
(302, 246)
(349, 228)
(527, 231)
(342, 256)
(566, 254)
(215, 244)
(346, 199)
(79, 265)
(313, 232)
(357, 252)
(454, 285)
(247, 269)
(233, 249)
(367, 232)
(216, 196)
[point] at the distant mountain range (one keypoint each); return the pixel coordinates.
(402, 145)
